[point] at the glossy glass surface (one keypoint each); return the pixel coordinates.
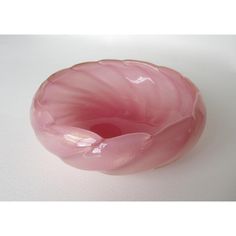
(118, 117)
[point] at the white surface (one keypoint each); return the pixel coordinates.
(29, 172)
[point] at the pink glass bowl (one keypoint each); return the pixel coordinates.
(118, 117)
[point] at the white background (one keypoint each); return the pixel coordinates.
(29, 172)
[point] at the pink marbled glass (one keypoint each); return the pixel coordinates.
(117, 117)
